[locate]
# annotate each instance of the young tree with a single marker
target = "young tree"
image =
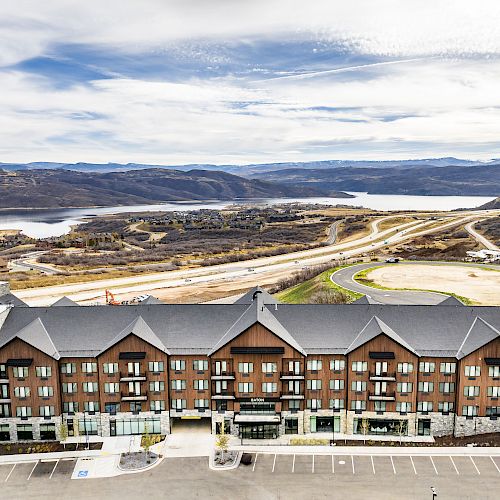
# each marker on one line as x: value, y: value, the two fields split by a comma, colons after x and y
x: 222, y: 441
x: 401, y: 429
x: 365, y: 426
x: 148, y: 440
x: 63, y: 434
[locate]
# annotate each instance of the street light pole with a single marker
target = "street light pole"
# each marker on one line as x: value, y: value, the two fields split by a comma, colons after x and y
x: 434, y: 493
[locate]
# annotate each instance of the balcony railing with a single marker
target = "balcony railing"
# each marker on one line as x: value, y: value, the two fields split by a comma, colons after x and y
x: 390, y: 376
x: 381, y: 396
x: 292, y: 375
x: 132, y: 396
x: 223, y: 376
x: 223, y: 395
x: 291, y: 395
x: 129, y: 377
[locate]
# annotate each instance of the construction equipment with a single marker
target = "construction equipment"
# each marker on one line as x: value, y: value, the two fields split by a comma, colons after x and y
x: 110, y: 299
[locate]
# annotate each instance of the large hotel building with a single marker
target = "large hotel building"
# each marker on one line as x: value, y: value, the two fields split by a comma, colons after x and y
x: 262, y: 367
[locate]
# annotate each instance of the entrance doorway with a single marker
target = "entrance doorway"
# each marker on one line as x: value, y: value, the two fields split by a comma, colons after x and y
x: 259, y: 431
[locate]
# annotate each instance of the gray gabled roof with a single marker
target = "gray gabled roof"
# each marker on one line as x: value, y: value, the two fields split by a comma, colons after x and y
x: 37, y: 336
x: 9, y: 299
x: 451, y: 301
x: 374, y: 328
x: 249, y: 296
x: 257, y: 313
x: 64, y: 302
x: 366, y: 299
x: 141, y: 329
x: 150, y: 300
x: 479, y: 334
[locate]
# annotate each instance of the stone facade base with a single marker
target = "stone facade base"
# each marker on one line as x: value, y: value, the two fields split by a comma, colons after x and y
x: 35, y: 423
x: 475, y: 425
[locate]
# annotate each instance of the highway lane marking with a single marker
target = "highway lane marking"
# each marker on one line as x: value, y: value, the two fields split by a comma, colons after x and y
x: 496, y: 466
x: 393, y: 468
x: 34, y: 467
x: 274, y: 462
x: 55, y: 465
x: 435, y: 470
x: 253, y: 468
x: 11, y: 470
x: 453, y: 462
x: 373, y: 464
x: 474, y: 463
x: 411, y: 458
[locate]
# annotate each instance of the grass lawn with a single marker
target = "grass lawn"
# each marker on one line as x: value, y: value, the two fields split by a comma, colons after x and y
x: 302, y: 293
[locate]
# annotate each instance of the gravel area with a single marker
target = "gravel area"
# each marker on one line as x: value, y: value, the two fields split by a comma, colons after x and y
x: 137, y: 460
x: 229, y: 458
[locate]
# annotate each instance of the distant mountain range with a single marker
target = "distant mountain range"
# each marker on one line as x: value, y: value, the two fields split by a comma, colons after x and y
x: 491, y: 205
x: 52, y: 188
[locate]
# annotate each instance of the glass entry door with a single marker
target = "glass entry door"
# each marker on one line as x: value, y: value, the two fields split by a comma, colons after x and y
x: 258, y: 431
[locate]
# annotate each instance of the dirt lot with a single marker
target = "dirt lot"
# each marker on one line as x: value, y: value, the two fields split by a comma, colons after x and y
x: 482, y: 286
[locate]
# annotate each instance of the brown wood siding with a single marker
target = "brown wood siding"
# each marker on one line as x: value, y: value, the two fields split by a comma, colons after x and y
x: 18, y: 349
x: 79, y: 378
x: 436, y: 378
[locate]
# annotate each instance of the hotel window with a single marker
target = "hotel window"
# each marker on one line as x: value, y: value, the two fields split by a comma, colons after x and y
x: 178, y: 365
x: 89, y: 367
x: 220, y: 367
x: 200, y: 385
x: 178, y: 385
x: 110, y: 368
x: 336, y: 404
x: 245, y: 367
x: 404, y: 387
x: 46, y: 411
x: 403, y: 406
x: 359, y: 366
x: 157, y: 405
x: 493, y: 411
x: 472, y: 371
x: 91, y: 406
x: 494, y: 392
x: 111, y: 387
x: 178, y: 404
x: 23, y: 411
x: 43, y: 371
x: 314, y: 404
x: 357, y: 404
x: 200, y: 364
x: 220, y: 386
x: 337, y: 385
x: 469, y: 410
x: 111, y: 407
x: 20, y: 371
x: 45, y: 392
x: 358, y: 386
x: 314, y: 384
x: 269, y: 367
x: 5, y: 410
x: 90, y: 387
x: 424, y: 406
x: 445, y: 406
x: 314, y: 365
x: 294, y: 367
x: 156, y: 366
x: 25, y: 432
x: 446, y: 387
x: 3, y: 371
x: 201, y: 403
x: 426, y: 387
x: 471, y: 391
x: 380, y: 405
x: 70, y: 407
x: 269, y: 387
x: 68, y: 368
x: 447, y: 367
x: 157, y: 385
x: 427, y: 367
x: 405, y: 367
x: 337, y: 365
x: 494, y: 371
x: 294, y: 404
x: 21, y: 392
x: 245, y: 387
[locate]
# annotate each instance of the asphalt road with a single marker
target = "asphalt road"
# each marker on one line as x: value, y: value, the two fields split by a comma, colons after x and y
x: 479, y: 237
x: 345, y: 278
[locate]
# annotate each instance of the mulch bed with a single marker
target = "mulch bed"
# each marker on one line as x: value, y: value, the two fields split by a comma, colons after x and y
x: 45, y: 447
x: 137, y: 460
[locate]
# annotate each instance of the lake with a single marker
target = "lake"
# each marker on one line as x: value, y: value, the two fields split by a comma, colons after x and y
x: 42, y: 223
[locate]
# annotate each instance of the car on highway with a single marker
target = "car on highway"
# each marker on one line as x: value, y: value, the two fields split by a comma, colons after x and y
x: 251, y: 269
x: 392, y: 260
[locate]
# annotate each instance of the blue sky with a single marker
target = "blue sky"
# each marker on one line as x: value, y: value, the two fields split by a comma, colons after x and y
x: 171, y: 82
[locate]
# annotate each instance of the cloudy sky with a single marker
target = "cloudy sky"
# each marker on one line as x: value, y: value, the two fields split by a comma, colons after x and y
x: 242, y: 81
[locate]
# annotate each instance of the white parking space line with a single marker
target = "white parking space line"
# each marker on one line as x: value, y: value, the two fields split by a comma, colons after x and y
x: 451, y: 458
x: 333, y: 464
x: 11, y: 470
x: 34, y: 467
x: 352, y: 460
x: 393, y: 468
x: 293, y: 463
x: 312, y: 470
x: 433, y: 464
x: 373, y: 464
x: 496, y: 466
x: 255, y: 461
x: 474, y: 463
x: 274, y: 462
x: 413, y: 464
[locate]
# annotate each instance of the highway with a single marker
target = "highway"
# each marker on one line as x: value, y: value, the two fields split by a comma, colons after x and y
x: 268, y: 269
x: 479, y: 237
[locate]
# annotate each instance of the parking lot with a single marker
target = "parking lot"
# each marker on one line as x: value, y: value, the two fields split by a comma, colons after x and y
x: 385, y: 465
x: 38, y: 470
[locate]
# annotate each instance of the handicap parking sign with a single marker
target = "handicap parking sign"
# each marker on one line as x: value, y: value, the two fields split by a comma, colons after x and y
x: 83, y: 473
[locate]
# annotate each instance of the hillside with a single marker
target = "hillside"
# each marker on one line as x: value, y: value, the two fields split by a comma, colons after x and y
x: 65, y: 188
x: 459, y: 180
x: 491, y: 205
